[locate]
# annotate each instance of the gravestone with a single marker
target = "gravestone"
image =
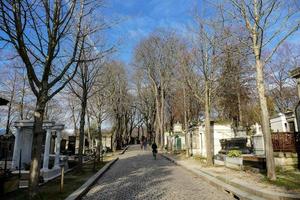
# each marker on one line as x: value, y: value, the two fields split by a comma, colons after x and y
x: 258, y: 141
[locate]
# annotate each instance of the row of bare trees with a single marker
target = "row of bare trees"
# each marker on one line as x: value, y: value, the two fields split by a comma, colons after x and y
x: 207, y: 74
x: 52, y: 39
x: 217, y: 66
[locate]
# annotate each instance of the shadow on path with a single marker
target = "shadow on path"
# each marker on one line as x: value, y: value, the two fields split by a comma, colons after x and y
x: 136, y: 175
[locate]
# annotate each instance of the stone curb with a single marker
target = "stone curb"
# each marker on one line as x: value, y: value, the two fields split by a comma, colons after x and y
x: 124, y: 150
x: 239, y: 190
x: 77, y: 194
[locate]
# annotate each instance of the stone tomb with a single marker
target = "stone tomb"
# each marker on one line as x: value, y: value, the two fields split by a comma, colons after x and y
x: 23, y: 147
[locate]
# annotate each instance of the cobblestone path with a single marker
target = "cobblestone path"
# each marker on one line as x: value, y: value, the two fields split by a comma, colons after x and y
x: 136, y: 175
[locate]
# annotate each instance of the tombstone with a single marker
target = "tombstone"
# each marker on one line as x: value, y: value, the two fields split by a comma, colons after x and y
x: 258, y: 141
x: 71, y: 145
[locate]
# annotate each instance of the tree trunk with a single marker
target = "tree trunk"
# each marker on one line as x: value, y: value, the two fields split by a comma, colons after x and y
x: 185, y: 122
x: 162, y: 113
x: 265, y: 120
x: 100, y: 140
x: 37, y: 144
x: 91, y: 142
x: 115, y: 135
x: 240, y: 116
x: 209, y: 145
x: 81, y: 129
x: 119, y: 133
x: 113, y: 140
x: 157, y: 123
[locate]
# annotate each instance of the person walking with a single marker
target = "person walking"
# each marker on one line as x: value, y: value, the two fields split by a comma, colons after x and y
x: 154, y: 150
x: 145, y: 144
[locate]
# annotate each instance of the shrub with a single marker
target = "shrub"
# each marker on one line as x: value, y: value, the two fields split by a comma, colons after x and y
x: 234, y: 153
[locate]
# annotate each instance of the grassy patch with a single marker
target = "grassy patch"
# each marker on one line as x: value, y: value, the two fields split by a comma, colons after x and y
x: 289, y: 180
x: 51, y: 190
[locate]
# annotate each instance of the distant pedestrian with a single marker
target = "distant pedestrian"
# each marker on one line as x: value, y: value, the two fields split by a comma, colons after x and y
x: 154, y: 150
x: 145, y: 144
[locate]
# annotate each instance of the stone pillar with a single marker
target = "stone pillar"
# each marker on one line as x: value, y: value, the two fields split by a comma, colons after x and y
x: 58, y: 128
x: 16, y: 154
x: 47, y: 149
x: 57, y: 147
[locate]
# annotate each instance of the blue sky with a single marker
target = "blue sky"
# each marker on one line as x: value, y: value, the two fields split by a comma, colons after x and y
x: 138, y: 18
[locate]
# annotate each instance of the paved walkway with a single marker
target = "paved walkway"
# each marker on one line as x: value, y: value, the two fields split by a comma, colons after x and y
x: 137, y: 176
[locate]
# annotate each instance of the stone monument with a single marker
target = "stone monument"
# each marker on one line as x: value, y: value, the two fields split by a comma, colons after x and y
x: 258, y: 141
x: 23, y: 142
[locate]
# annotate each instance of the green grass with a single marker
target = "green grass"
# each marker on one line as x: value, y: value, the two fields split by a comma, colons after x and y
x: 290, y: 180
x: 51, y: 190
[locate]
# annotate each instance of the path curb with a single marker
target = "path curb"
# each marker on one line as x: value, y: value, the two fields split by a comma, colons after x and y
x: 239, y: 191
x: 82, y: 190
x: 124, y: 150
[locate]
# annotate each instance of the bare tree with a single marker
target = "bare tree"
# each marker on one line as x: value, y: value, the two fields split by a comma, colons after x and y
x: 157, y: 56
x: 145, y: 103
x: 14, y: 87
x: 206, y: 49
x: 10, y: 87
x: 82, y: 87
x: 118, y: 90
x: 99, y: 105
x: 236, y: 80
x: 268, y: 23
x: 48, y: 37
x: 99, y: 111
x: 282, y: 89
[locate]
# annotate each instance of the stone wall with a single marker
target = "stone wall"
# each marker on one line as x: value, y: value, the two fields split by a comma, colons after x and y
x: 286, y: 161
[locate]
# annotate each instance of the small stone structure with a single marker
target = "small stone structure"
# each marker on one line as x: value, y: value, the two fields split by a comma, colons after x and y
x: 175, y: 141
x: 23, y: 142
x: 284, y: 122
x: 23, y: 146
x: 220, y: 131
